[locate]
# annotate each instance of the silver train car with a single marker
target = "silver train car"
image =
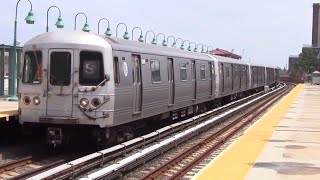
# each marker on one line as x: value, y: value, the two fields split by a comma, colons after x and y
x: 77, y: 83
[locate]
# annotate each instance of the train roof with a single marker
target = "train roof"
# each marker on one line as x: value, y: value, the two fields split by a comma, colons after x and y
x: 125, y: 45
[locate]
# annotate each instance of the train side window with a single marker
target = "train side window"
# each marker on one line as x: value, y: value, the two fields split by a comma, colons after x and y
x: 32, y: 67
x: 155, y: 71
x: 116, y: 70
x: 183, y: 71
x: 91, y: 68
x: 227, y: 72
x: 203, y: 72
x: 60, y: 68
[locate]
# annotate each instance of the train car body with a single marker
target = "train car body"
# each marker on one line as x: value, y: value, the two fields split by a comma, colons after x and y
x: 75, y: 82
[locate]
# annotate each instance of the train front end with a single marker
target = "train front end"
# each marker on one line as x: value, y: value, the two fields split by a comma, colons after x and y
x: 65, y: 86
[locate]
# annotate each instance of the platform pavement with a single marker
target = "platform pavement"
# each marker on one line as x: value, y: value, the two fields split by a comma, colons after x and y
x: 8, y: 108
x: 283, y: 144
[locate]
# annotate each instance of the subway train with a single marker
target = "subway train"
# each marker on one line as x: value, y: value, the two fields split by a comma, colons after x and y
x: 75, y: 84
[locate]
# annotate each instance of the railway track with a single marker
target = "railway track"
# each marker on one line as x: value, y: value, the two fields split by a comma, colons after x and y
x: 181, y: 164
x: 23, y: 168
x: 118, y: 160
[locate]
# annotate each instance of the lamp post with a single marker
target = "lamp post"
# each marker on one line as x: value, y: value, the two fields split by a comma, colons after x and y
x: 141, y: 36
x: 126, y: 35
x: 196, y: 49
x: 211, y: 49
x: 174, y: 41
x: 177, y: 41
x: 195, y: 46
x: 30, y: 20
x: 154, y: 37
x: 182, y: 45
x: 108, y: 31
x: 59, y: 22
x: 203, y: 51
x: 86, y: 27
x: 164, y: 43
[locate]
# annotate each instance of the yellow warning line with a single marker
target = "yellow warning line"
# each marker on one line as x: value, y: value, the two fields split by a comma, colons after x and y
x: 240, y: 156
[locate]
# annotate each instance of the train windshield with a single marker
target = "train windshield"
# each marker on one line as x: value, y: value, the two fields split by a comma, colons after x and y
x: 91, y: 68
x: 32, y: 67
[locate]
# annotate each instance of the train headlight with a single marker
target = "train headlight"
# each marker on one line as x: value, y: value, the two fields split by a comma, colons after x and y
x: 84, y: 102
x: 95, y: 102
x: 36, y: 100
x: 26, y: 100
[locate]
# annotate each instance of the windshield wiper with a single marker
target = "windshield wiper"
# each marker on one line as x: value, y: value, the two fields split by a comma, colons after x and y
x: 106, y: 78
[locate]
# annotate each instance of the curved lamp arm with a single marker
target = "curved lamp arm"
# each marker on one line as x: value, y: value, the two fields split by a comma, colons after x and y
x: 108, y: 32
x: 209, y: 47
x: 189, y: 48
x: 86, y: 26
x: 154, y: 37
x: 164, y: 43
x: 59, y: 23
x: 182, y: 45
x: 203, y: 48
x: 174, y: 41
x: 141, y: 36
x: 125, y: 36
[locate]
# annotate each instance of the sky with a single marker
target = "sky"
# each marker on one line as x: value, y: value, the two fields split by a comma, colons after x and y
x: 263, y: 31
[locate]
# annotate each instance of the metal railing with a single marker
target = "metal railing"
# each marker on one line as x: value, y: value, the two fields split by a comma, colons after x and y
x: 6, y: 53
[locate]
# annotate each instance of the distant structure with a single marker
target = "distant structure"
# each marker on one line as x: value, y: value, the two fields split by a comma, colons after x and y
x: 225, y: 53
x: 315, y: 25
x: 293, y: 60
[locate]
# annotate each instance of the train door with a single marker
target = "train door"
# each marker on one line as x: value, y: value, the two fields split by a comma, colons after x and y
x: 211, y: 78
x: 194, y: 79
x: 60, y: 83
x: 171, y: 81
x: 232, y: 76
x: 240, y: 76
x: 137, y: 84
x: 222, y: 77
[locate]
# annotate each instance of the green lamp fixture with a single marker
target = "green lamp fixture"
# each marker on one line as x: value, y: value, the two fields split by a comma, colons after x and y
x: 60, y: 23
x: 126, y: 35
x: 140, y: 38
x: 30, y: 18
x: 174, y: 44
x: 108, y: 32
x: 195, y: 49
x: 164, y: 43
x: 182, y: 46
x: 189, y: 48
x: 154, y: 41
x: 86, y: 28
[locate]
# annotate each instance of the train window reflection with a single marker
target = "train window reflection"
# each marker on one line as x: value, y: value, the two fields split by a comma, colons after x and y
x: 155, y: 71
x: 183, y: 71
x: 91, y: 68
x: 203, y: 72
x: 60, y: 68
x: 32, y: 67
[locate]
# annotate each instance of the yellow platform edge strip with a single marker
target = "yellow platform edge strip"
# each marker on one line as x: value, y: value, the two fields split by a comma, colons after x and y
x: 236, y: 161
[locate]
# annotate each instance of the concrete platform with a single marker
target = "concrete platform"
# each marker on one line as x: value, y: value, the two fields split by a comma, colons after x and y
x: 8, y: 108
x: 283, y: 144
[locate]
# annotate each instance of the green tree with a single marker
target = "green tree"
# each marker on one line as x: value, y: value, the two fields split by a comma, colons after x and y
x: 308, y: 61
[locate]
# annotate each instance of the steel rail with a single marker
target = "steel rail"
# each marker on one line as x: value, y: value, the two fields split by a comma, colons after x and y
x: 218, y: 139
x: 38, y: 170
x: 15, y: 164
